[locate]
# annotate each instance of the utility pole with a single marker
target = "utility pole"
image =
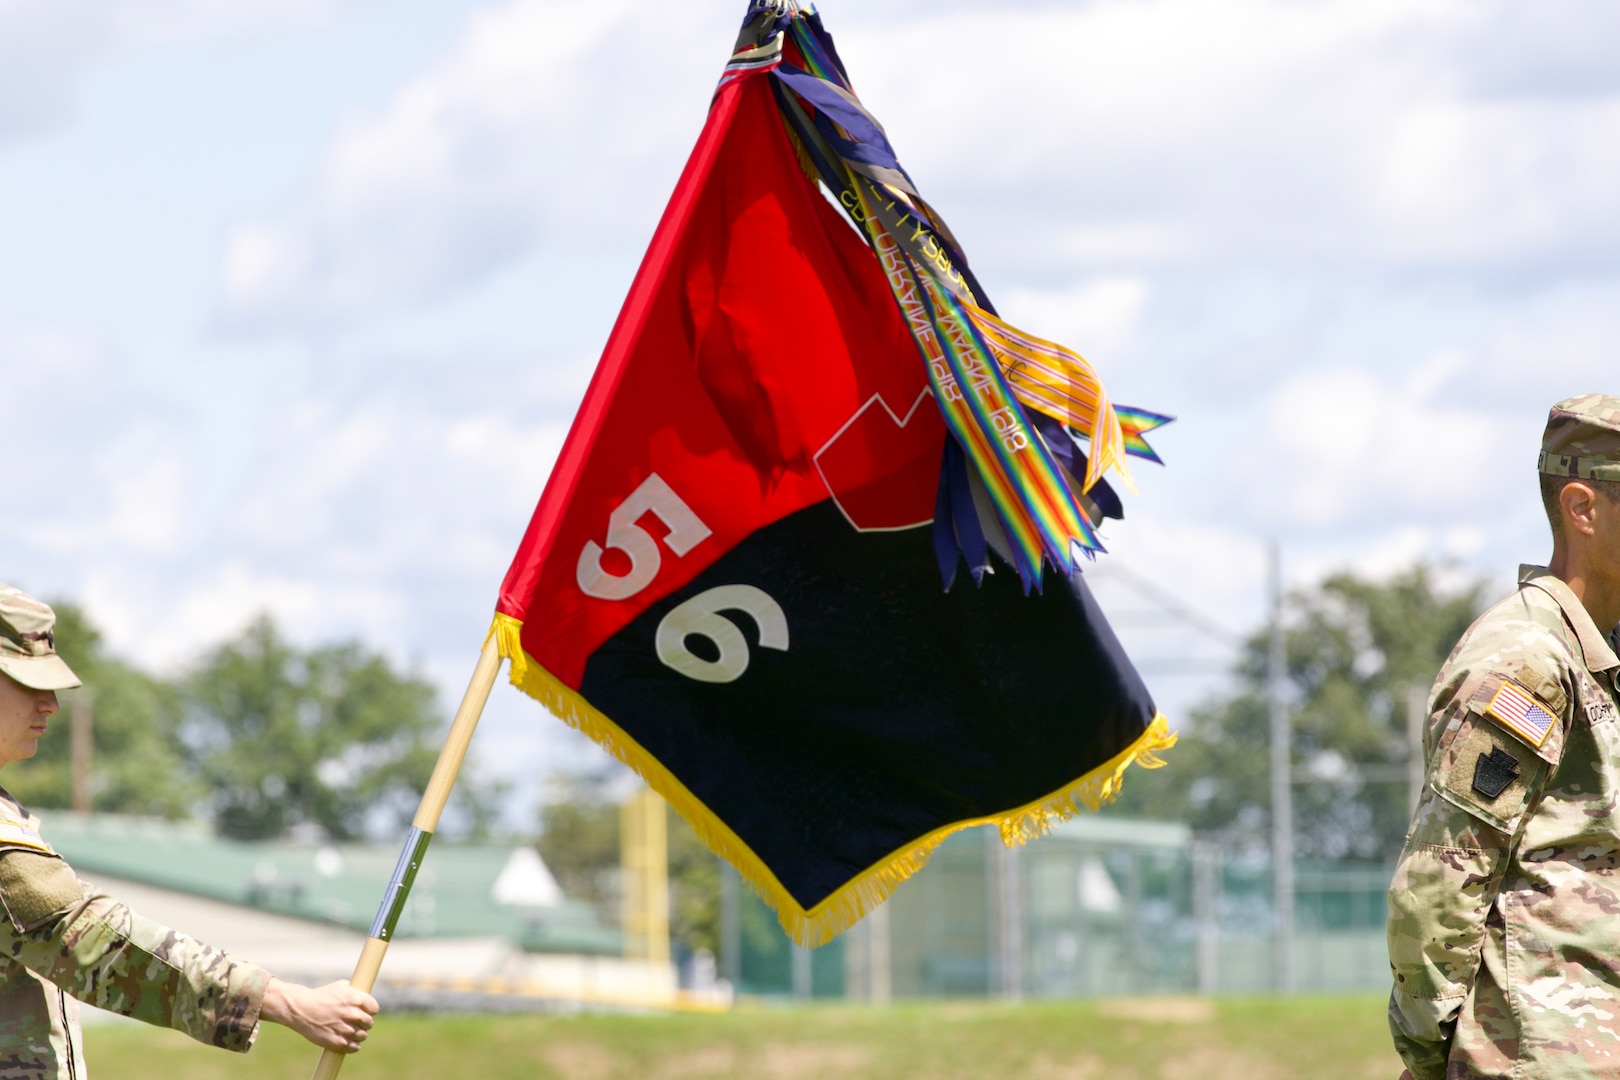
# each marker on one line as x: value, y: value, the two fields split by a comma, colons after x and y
x: 858, y: 962
x: 803, y: 973
x: 866, y: 958
x: 1282, y: 795
x: 730, y: 925
x: 1007, y: 908
x: 81, y: 724
x: 1206, y: 869
x: 1417, y: 709
x: 878, y: 970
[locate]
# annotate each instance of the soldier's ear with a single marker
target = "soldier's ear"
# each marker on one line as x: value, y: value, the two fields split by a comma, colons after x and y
x: 1579, y: 504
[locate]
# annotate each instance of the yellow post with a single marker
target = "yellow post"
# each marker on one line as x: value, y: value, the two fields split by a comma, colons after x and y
x: 644, y: 861
x: 427, y: 820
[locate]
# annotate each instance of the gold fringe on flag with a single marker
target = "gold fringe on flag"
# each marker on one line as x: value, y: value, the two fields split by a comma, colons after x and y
x: 846, y: 907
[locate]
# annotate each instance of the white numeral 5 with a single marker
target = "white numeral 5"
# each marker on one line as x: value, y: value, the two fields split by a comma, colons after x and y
x: 700, y: 616
x: 656, y: 497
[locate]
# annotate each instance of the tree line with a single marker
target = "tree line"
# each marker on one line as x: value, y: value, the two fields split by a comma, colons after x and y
x: 257, y: 736
x: 1354, y: 648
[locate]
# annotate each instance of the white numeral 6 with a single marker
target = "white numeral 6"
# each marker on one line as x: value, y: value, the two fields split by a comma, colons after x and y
x: 700, y: 616
x: 656, y: 497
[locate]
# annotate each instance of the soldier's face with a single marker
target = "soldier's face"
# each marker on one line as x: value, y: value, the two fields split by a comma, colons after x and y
x: 23, y: 716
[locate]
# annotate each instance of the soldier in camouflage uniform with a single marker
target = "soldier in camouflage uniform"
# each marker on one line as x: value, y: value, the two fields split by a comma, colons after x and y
x: 1504, y: 931
x: 61, y: 939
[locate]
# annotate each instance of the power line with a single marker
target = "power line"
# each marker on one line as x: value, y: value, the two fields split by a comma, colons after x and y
x: 1170, y: 604
x: 1179, y: 666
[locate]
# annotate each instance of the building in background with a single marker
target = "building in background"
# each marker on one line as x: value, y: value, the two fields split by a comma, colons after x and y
x: 486, y: 927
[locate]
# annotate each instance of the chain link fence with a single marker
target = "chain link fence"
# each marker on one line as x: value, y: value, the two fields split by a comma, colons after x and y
x: 1102, y: 907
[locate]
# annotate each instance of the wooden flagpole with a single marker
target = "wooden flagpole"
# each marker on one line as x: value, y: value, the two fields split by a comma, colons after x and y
x: 416, y: 843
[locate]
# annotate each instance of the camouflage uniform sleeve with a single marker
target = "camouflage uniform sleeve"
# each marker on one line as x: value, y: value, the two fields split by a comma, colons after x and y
x: 1449, y: 873
x: 102, y: 953
x: 1441, y: 894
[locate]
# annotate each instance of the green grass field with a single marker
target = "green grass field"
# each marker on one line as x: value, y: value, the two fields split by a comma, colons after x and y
x: 1162, y: 1039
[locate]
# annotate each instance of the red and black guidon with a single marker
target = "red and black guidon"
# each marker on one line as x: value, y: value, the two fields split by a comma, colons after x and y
x: 733, y: 578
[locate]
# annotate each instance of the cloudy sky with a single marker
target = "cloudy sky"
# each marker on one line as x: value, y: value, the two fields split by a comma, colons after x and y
x: 297, y: 297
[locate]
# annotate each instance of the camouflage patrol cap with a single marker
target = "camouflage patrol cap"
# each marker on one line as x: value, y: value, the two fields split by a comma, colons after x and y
x: 1582, y: 440
x: 28, y: 643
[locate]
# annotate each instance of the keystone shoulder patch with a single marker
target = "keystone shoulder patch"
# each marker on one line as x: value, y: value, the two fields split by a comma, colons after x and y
x: 1487, y: 772
x: 1493, y: 772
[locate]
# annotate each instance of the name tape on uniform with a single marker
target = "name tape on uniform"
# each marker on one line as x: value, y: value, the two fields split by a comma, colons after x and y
x: 1521, y: 714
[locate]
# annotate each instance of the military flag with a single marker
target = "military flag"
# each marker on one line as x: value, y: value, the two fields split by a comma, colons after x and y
x: 745, y: 577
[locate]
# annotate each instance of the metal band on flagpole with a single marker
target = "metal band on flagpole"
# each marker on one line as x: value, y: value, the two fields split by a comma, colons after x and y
x: 421, y: 834
x: 399, y: 885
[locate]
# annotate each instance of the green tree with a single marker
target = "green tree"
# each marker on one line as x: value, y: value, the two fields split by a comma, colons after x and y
x: 139, y: 763
x: 579, y: 838
x: 1353, y: 649
x: 331, y: 737
x: 579, y: 841
x: 694, y: 888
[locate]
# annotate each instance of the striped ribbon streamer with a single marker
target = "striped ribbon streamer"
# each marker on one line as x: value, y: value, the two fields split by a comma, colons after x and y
x: 1060, y: 383
x: 749, y: 57
x: 1027, y: 486
x: 1135, y: 423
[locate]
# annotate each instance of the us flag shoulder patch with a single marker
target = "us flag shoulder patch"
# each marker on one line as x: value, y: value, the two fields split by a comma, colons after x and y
x: 1521, y: 713
x: 13, y: 835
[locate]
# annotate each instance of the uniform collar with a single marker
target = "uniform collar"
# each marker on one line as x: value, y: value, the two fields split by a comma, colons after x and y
x: 1595, y: 648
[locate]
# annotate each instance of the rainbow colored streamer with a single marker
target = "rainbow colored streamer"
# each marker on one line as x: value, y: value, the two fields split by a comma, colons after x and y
x: 1030, y: 494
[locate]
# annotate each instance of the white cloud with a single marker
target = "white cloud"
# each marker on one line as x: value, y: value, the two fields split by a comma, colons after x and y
x: 1158, y: 133
x: 1550, y: 49
x: 396, y: 486
x: 1396, y: 549
x: 48, y: 48
x: 165, y: 627
x: 548, y: 120
x: 147, y: 508
x: 105, y: 463
x: 336, y: 512
x: 1097, y: 317
x: 32, y: 356
x: 1184, y: 131
x: 1350, y: 443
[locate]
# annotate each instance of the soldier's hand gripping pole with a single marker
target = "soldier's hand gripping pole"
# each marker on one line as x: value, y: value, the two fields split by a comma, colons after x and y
x: 416, y: 843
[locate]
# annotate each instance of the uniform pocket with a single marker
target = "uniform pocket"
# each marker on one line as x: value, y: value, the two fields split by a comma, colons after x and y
x: 36, y: 888
x: 1488, y: 773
